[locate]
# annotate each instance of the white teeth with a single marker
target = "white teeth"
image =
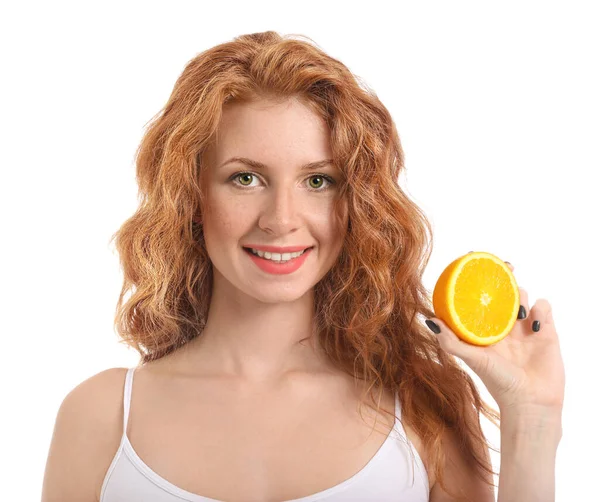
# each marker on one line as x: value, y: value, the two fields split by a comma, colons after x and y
x: 276, y: 256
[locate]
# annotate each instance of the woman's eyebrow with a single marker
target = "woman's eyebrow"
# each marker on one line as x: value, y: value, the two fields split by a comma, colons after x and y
x: 260, y: 166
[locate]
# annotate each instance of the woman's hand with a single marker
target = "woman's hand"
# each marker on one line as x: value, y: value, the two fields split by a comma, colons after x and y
x: 524, y: 370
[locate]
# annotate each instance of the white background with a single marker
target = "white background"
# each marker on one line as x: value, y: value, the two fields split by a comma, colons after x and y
x: 496, y: 103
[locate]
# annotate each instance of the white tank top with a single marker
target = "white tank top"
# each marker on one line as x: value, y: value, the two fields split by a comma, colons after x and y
x: 389, y: 476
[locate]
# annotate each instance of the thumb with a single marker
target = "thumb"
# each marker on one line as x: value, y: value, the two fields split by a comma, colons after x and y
x: 452, y: 344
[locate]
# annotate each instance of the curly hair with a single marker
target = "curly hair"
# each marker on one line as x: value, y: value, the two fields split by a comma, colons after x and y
x: 367, y: 306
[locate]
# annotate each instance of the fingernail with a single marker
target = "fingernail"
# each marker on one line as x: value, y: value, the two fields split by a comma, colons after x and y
x: 433, y: 326
x: 536, y: 326
x: 508, y: 262
x: 522, y: 313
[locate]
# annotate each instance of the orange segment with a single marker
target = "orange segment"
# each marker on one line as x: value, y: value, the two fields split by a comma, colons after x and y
x: 477, y: 296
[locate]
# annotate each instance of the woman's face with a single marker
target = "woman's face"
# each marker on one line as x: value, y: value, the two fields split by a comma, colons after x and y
x: 279, y: 205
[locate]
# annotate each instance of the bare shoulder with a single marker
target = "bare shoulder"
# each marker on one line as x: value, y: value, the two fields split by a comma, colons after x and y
x: 86, y: 436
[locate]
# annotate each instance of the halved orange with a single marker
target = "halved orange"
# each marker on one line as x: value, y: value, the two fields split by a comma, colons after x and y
x: 477, y: 296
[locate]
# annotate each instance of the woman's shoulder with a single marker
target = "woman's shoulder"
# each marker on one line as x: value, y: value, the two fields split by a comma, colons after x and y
x: 99, y: 396
x: 87, y: 434
x: 96, y: 402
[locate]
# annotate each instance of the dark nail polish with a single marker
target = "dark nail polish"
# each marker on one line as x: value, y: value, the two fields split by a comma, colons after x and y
x: 522, y: 313
x: 536, y: 326
x: 433, y: 326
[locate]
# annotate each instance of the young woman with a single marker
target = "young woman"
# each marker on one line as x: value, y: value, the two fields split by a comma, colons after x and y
x: 275, y: 273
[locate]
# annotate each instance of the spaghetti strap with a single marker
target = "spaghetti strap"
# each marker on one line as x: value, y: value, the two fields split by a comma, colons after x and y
x: 127, y: 398
x: 414, y: 453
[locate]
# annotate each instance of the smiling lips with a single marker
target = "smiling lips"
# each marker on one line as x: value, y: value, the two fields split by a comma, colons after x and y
x: 285, y: 267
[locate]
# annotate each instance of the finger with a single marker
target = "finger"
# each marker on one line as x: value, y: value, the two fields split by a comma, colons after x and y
x: 523, y: 298
x: 523, y: 305
x: 452, y: 344
x: 540, y: 315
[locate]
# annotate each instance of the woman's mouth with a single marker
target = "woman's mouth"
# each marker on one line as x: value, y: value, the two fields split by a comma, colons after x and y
x: 279, y: 267
x: 279, y: 257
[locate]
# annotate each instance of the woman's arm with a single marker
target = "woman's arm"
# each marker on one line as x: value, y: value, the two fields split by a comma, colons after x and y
x: 529, y: 440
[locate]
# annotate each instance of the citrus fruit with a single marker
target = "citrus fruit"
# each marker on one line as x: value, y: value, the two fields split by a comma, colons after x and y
x: 477, y: 296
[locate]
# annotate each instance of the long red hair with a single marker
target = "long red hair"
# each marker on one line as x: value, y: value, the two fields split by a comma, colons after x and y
x: 370, y: 306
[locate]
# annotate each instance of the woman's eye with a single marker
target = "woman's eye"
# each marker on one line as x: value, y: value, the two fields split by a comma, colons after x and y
x: 317, y: 177
x: 245, y: 179
x: 242, y: 175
